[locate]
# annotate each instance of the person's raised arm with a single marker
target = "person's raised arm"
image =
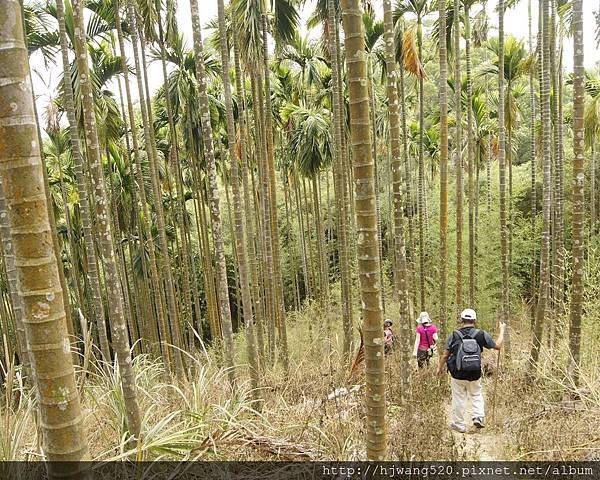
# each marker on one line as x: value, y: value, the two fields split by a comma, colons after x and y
x: 500, y: 340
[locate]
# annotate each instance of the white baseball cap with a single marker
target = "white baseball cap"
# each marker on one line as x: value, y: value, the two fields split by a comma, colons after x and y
x: 468, y: 315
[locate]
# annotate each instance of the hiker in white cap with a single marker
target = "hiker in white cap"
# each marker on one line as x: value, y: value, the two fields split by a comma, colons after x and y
x: 425, y: 341
x: 462, y: 357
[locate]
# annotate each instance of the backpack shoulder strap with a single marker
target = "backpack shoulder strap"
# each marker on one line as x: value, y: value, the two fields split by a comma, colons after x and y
x: 479, y: 335
x: 460, y: 334
x: 427, y: 337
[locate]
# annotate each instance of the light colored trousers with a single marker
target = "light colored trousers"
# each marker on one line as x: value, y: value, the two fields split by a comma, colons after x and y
x: 462, y: 391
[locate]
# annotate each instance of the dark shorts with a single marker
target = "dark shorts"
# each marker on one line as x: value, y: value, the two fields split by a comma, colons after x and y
x: 423, y: 358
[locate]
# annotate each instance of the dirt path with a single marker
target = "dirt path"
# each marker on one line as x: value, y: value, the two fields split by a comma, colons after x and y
x: 482, y: 445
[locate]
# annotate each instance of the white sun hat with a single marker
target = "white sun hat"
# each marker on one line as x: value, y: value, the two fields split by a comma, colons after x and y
x: 424, y: 318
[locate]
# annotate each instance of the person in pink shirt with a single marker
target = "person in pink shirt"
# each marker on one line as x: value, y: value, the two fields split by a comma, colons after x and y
x: 388, y: 335
x: 425, y: 341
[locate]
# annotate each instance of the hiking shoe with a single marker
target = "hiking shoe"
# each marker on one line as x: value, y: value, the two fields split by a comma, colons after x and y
x: 458, y: 428
x: 478, y: 422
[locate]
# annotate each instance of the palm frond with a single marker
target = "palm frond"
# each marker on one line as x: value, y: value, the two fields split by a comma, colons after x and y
x: 285, y: 21
x: 410, y: 54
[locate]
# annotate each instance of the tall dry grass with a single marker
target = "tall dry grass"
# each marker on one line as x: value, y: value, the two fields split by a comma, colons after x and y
x: 313, y: 412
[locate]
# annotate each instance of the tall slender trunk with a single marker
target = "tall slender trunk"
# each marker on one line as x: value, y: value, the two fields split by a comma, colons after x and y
x: 339, y: 180
x: 84, y: 203
x: 249, y: 214
x: 407, y: 190
x: 400, y: 268
x: 488, y: 174
x: 239, y: 212
x: 458, y: 164
x: 471, y: 165
x: 70, y: 239
x: 557, y: 269
x: 303, y: 247
x: 208, y: 276
x: 502, y: 167
x: 148, y: 126
x: 174, y: 152
x: 544, y: 289
x: 533, y: 115
x: 559, y: 194
x: 21, y: 175
x: 215, y: 211
x: 443, y: 80
x: 265, y: 206
x: 367, y: 244
x: 278, y: 276
x: 375, y: 162
x: 323, y: 275
x: 116, y: 311
x: 421, y: 178
x: 578, y: 190
x: 145, y: 221
x: 509, y: 201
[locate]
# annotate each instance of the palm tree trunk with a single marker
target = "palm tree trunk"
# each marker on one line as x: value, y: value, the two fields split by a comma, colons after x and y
x: 367, y: 244
x: 544, y: 289
x: 278, y: 277
x: 502, y: 168
x: 407, y: 190
x: 84, y: 204
x: 265, y: 205
x: 421, y: 179
x: 578, y: 190
x: 259, y: 273
x: 323, y: 275
x: 249, y: 213
x: 148, y: 125
x: 488, y: 174
x: 533, y: 114
x: 208, y: 276
x: 70, y: 239
x: 400, y: 268
x: 346, y: 170
x: 21, y: 176
x: 557, y: 286
x: 239, y: 212
x: 471, y: 166
x: 458, y: 156
x: 375, y: 161
x: 560, y: 187
x: 116, y: 312
x: 185, y: 250
x: 443, y: 57
x: 146, y: 229
x: 209, y: 154
x: 303, y: 247
x: 339, y: 181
